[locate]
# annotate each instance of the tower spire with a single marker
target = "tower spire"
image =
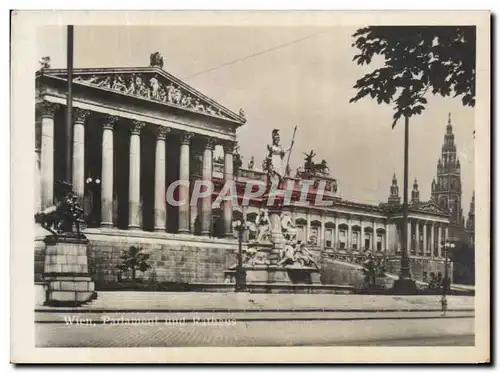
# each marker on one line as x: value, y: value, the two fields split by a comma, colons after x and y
x: 394, y: 191
x: 415, y: 194
x: 447, y: 189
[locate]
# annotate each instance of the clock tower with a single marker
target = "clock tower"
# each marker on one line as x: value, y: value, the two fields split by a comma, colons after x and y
x: 446, y: 188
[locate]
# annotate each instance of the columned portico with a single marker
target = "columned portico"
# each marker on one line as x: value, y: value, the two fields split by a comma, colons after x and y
x: 228, y: 178
x: 134, y: 194
x: 184, y: 202
x: 107, y: 171
x: 160, y: 207
x: 47, y: 154
x: 206, y: 203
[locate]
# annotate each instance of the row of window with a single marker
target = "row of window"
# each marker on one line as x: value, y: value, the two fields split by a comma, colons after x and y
x: 356, y: 242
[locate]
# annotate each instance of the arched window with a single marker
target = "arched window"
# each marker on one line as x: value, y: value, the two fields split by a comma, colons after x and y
x: 329, y: 237
x: 343, y: 236
x: 301, y: 229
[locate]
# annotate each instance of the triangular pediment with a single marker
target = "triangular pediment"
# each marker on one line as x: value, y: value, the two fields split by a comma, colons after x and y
x: 152, y: 83
x: 429, y: 207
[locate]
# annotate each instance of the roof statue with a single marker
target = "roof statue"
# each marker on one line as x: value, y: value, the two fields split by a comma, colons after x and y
x: 45, y: 63
x: 156, y: 59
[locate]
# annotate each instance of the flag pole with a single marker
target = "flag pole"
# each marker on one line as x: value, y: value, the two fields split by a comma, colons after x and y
x: 69, y: 105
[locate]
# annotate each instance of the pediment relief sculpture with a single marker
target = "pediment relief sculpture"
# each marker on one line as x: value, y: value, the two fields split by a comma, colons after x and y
x: 151, y: 86
x: 430, y: 207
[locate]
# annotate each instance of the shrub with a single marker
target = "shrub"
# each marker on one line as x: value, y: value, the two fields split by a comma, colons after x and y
x: 134, y: 259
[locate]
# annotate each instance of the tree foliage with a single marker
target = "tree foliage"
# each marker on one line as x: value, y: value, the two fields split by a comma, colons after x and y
x: 134, y: 259
x: 441, y: 59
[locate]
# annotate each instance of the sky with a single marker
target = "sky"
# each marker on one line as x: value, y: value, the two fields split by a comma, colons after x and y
x: 285, y: 77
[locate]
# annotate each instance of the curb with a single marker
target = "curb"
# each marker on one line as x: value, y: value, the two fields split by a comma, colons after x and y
x: 226, y: 319
x: 226, y: 310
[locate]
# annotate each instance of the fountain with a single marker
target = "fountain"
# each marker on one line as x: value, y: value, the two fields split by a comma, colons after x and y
x: 275, y: 261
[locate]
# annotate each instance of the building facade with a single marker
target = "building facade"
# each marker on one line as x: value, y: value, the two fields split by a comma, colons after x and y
x: 138, y: 131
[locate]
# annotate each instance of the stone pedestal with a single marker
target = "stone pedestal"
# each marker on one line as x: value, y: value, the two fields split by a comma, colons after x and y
x: 270, y: 274
x: 66, y: 271
x: 405, y: 286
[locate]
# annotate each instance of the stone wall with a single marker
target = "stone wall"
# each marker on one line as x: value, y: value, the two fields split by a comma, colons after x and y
x: 176, y: 260
x: 338, y: 273
x: 335, y: 272
x: 420, y: 267
x: 173, y: 259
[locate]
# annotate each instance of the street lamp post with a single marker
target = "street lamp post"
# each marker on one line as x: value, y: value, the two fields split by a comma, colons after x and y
x: 447, y: 245
x: 240, y: 226
x: 405, y: 284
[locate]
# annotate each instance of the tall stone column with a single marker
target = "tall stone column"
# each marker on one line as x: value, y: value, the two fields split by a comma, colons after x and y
x: 134, y: 181
x: 408, y: 239
x: 160, y: 212
x: 417, y: 237
x: 374, y: 237
x: 47, y: 154
x: 336, y: 233
x: 184, y: 177
x: 432, y: 239
x: 227, y: 206
x: 206, y: 202
x: 78, y: 169
x: 107, y: 171
x: 440, y: 238
x: 349, y: 234
x: 425, y: 243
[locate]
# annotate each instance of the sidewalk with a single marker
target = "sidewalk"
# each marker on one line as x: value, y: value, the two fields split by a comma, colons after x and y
x: 245, y: 302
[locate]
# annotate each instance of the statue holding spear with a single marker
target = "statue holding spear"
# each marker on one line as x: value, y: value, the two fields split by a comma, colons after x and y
x: 274, y: 160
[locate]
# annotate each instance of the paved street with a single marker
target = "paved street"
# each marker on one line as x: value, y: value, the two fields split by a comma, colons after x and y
x: 227, y: 331
x: 141, y: 301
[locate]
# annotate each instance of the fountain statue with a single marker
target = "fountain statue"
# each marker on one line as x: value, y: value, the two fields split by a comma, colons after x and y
x: 275, y: 256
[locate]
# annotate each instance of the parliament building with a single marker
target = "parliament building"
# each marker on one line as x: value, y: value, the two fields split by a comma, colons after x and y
x: 136, y: 131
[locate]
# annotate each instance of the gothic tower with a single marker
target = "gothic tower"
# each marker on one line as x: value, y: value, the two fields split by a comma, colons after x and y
x: 446, y: 188
x: 394, y: 192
